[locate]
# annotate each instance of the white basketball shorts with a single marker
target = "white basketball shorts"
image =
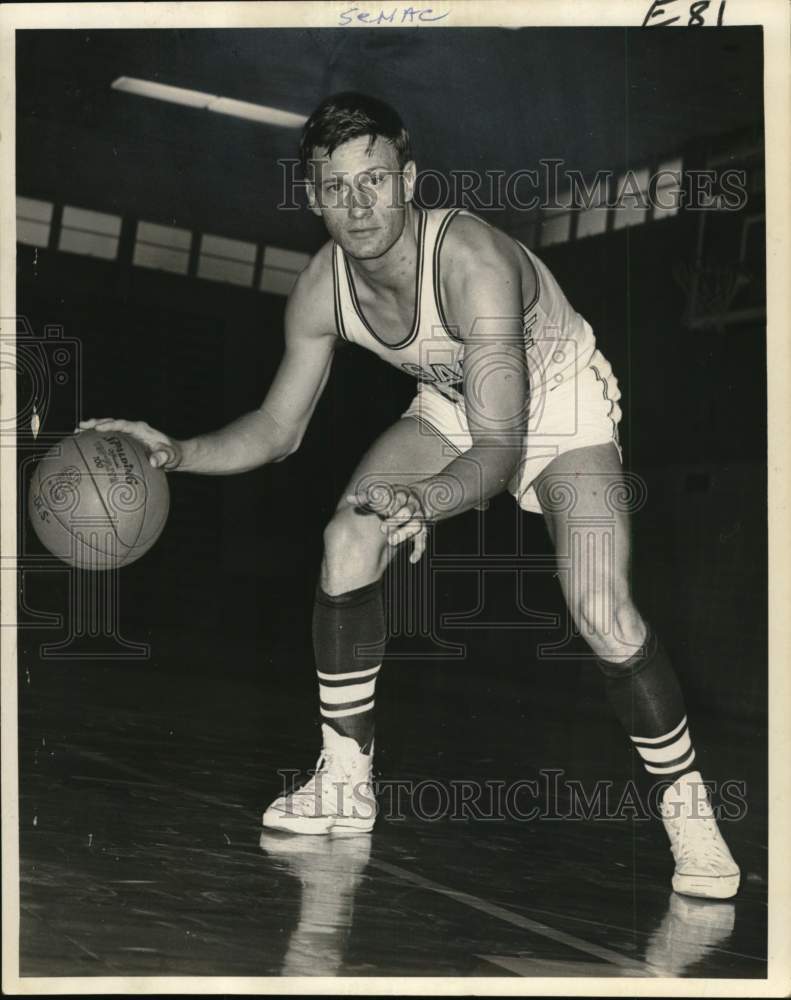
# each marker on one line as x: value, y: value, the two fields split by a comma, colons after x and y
x: 568, y: 410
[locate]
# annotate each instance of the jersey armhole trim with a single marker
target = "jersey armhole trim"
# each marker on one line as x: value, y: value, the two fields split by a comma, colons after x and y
x: 443, y: 228
x: 336, y: 294
x: 536, y: 275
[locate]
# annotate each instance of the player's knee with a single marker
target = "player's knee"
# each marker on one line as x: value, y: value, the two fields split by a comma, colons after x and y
x: 611, y: 624
x: 353, y: 553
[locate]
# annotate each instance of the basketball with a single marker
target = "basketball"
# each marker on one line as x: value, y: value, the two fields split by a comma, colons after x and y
x: 96, y: 502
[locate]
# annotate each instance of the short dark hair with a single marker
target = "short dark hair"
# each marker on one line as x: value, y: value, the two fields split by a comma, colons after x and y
x: 350, y: 115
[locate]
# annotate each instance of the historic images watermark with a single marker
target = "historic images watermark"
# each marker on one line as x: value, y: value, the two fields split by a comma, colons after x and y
x: 549, y: 796
x: 548, y: 187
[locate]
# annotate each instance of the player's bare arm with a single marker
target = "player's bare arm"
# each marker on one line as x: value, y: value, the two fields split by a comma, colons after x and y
x: 275, y: 429
x: 484, y: 293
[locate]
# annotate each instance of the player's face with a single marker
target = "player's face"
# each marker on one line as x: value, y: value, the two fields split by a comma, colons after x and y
x: 361, y: 194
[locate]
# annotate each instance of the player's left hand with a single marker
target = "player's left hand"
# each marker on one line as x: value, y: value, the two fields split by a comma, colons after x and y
x: 401, y: 512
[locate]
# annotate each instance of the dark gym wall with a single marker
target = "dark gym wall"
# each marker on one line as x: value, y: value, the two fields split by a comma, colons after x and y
x: 189, y: 356
x: 240, y: 554
x: 695, y: 429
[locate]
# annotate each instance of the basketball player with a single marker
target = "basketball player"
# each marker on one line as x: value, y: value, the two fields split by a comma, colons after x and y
x: 513, y: 393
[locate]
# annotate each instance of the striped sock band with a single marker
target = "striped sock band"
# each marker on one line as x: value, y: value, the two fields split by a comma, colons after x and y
x: 647, y: 698
x: 668, y: 755
x: 342, y: 695
x: 349, y: 633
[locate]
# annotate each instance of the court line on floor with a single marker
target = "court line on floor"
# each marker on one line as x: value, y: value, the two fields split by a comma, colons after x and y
x: 149, y: 779
x: 515, y: 919
x: 465, y: 898
x: 527, y: 967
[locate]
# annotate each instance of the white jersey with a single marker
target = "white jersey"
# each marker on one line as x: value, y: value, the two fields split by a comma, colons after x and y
x: 558, y: 342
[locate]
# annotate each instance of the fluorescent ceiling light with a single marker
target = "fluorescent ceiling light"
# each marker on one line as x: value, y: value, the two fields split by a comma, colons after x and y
x: 209, y: 102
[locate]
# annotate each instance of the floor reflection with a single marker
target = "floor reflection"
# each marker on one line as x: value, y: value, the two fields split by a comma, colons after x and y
x: 689, y: 931
x: 329, y: 870
x: 139, y: 848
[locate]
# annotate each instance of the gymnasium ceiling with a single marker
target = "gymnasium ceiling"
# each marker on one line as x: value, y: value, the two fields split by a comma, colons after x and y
x: 473, y: 99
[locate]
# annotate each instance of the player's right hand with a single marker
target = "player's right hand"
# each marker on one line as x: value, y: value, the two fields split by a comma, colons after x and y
x: 163, y: 452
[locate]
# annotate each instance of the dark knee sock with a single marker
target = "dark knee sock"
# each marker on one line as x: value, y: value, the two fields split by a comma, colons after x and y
x: 645, y: 693
x: 349, y: 634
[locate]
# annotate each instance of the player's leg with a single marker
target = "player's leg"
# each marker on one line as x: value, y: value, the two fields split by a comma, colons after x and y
x: 349, y: 634
x: 582, y: 495
x: 349, y: 620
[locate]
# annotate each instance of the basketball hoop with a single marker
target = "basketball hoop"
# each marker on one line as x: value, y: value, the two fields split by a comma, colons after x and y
x: 710, y: 290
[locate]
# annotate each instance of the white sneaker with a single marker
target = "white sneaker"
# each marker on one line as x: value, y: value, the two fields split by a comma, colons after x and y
x: 339, y: 798
x: 704, y: 865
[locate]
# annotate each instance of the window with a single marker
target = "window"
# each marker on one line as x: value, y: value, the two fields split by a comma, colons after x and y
x: 94, y: 234
x: 668, y: 189
x: 33, y: 221
x: 592, y: 221
x: 222, y: 259
x: 281, y: 268
x: 556, y: 229
x: 631, y: 200
x: 556, y: 224
x: 165, y: 248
